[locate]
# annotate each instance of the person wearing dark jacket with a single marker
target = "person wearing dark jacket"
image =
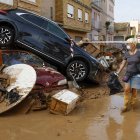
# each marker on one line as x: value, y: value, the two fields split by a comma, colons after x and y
x: 131, y: 58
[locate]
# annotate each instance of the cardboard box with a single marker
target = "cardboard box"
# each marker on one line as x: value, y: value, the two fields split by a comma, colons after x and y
x: 64, y: 102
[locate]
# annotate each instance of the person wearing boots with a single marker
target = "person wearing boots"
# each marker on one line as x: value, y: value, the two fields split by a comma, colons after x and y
x: 131, y: 58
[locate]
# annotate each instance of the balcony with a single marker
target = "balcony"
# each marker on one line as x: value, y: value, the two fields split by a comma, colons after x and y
x: 96, y: 25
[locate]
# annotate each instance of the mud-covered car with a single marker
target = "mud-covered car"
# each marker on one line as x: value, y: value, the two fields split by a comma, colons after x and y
x: 47, y: 77
x: 46, y: 39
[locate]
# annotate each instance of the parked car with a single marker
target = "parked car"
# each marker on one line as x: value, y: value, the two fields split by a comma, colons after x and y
x: 47, y: 77
x: 46, y: 39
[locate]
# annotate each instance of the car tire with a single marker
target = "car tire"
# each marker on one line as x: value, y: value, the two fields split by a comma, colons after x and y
x: 6, y: 36
x: 77, y: 70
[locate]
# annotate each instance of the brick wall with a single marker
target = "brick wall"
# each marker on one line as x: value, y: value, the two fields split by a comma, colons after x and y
x: 48, y: 9
x: 4, y: 6
x: 74, y: 34
x: 73, y: 23
x: 59, y: 11
x: 25, y: 4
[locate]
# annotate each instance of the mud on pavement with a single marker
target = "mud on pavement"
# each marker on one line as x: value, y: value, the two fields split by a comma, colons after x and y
x: 96, y: 117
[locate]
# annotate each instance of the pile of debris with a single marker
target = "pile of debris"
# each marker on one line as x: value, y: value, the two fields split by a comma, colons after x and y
x: 17, y: 82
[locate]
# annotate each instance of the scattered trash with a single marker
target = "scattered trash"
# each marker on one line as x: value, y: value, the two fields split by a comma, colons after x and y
x: 114, y: 84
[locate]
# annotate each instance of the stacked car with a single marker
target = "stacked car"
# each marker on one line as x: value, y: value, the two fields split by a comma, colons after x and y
x: 46, y: 39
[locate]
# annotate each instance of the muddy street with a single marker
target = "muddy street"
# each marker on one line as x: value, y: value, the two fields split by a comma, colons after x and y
x: 95, y: 118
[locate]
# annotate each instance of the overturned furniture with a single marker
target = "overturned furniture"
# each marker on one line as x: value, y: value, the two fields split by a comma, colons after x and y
x: 63, y: 102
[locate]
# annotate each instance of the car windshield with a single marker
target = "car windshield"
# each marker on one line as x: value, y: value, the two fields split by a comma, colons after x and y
x: 22, y: 57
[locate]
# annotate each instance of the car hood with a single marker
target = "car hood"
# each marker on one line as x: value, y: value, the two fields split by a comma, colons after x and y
x: 49, y: 77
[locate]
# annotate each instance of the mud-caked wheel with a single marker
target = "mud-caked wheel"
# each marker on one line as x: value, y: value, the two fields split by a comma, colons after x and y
x: 77, y: 70
x: 6, y: 36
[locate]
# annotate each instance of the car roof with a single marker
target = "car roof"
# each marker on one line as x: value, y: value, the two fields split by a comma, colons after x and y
x: 30, y: 12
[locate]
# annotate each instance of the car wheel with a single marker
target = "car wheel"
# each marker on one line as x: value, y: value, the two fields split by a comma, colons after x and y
x: 6, y: 36
x: 77, y: 70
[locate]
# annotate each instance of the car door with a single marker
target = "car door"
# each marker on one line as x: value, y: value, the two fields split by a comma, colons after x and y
x: 54, y: 43
x: 31, y: 29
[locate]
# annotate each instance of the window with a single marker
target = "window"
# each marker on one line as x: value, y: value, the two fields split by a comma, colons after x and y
x: 70, y: 11
x: 54, y: 29
x: 79, y: 15
x: 86, y: 18
x: 34, y: 19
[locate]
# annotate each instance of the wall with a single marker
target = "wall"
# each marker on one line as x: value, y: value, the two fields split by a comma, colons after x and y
x: 8, y: 4
x: 31, y: 6
x: 48, y: 9
x: 74, y: 34
x: 136, y: 25
x: 74, y: 23
x: 59, y: 11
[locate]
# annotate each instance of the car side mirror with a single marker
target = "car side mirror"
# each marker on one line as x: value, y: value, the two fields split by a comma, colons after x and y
x: 68, y: 40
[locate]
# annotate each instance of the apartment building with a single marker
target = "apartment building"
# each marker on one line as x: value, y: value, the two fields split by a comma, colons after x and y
x: 121, y: 31
x: 110, y: 19
x: 8, y: 4
x: 74, y: 16
x: 47, y: 9
x: 102, y: 19
x: 31, y: 5
x: 107, y: 19
x: 135, y: 23
x: 96, y: 24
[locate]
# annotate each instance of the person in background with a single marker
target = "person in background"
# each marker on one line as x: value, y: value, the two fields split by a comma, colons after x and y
x: 131, y: 58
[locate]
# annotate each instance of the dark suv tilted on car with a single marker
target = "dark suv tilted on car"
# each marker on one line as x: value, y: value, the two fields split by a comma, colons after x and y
x: 46, y: 39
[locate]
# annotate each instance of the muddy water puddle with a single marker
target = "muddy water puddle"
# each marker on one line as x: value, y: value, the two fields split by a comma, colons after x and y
x: 92, y: 119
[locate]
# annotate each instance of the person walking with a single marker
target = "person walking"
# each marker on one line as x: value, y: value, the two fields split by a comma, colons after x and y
x: 131, y: 58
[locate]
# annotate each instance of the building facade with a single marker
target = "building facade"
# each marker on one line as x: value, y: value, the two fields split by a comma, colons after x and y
x: 96, y: 24
x: 74, y: 16
x: 102, y: 19
x: 107, y: 19
x: 47, y: 9
x: 121, y: 31
x: 110, y: 19
x: 136, y: 25
x: 31, y: 5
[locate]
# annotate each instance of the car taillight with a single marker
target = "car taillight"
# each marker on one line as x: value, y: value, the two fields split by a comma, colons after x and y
x: 3, y: 12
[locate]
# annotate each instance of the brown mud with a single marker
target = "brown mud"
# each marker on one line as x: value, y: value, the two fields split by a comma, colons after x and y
x: 92, y: 119
x: 96, y: 117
